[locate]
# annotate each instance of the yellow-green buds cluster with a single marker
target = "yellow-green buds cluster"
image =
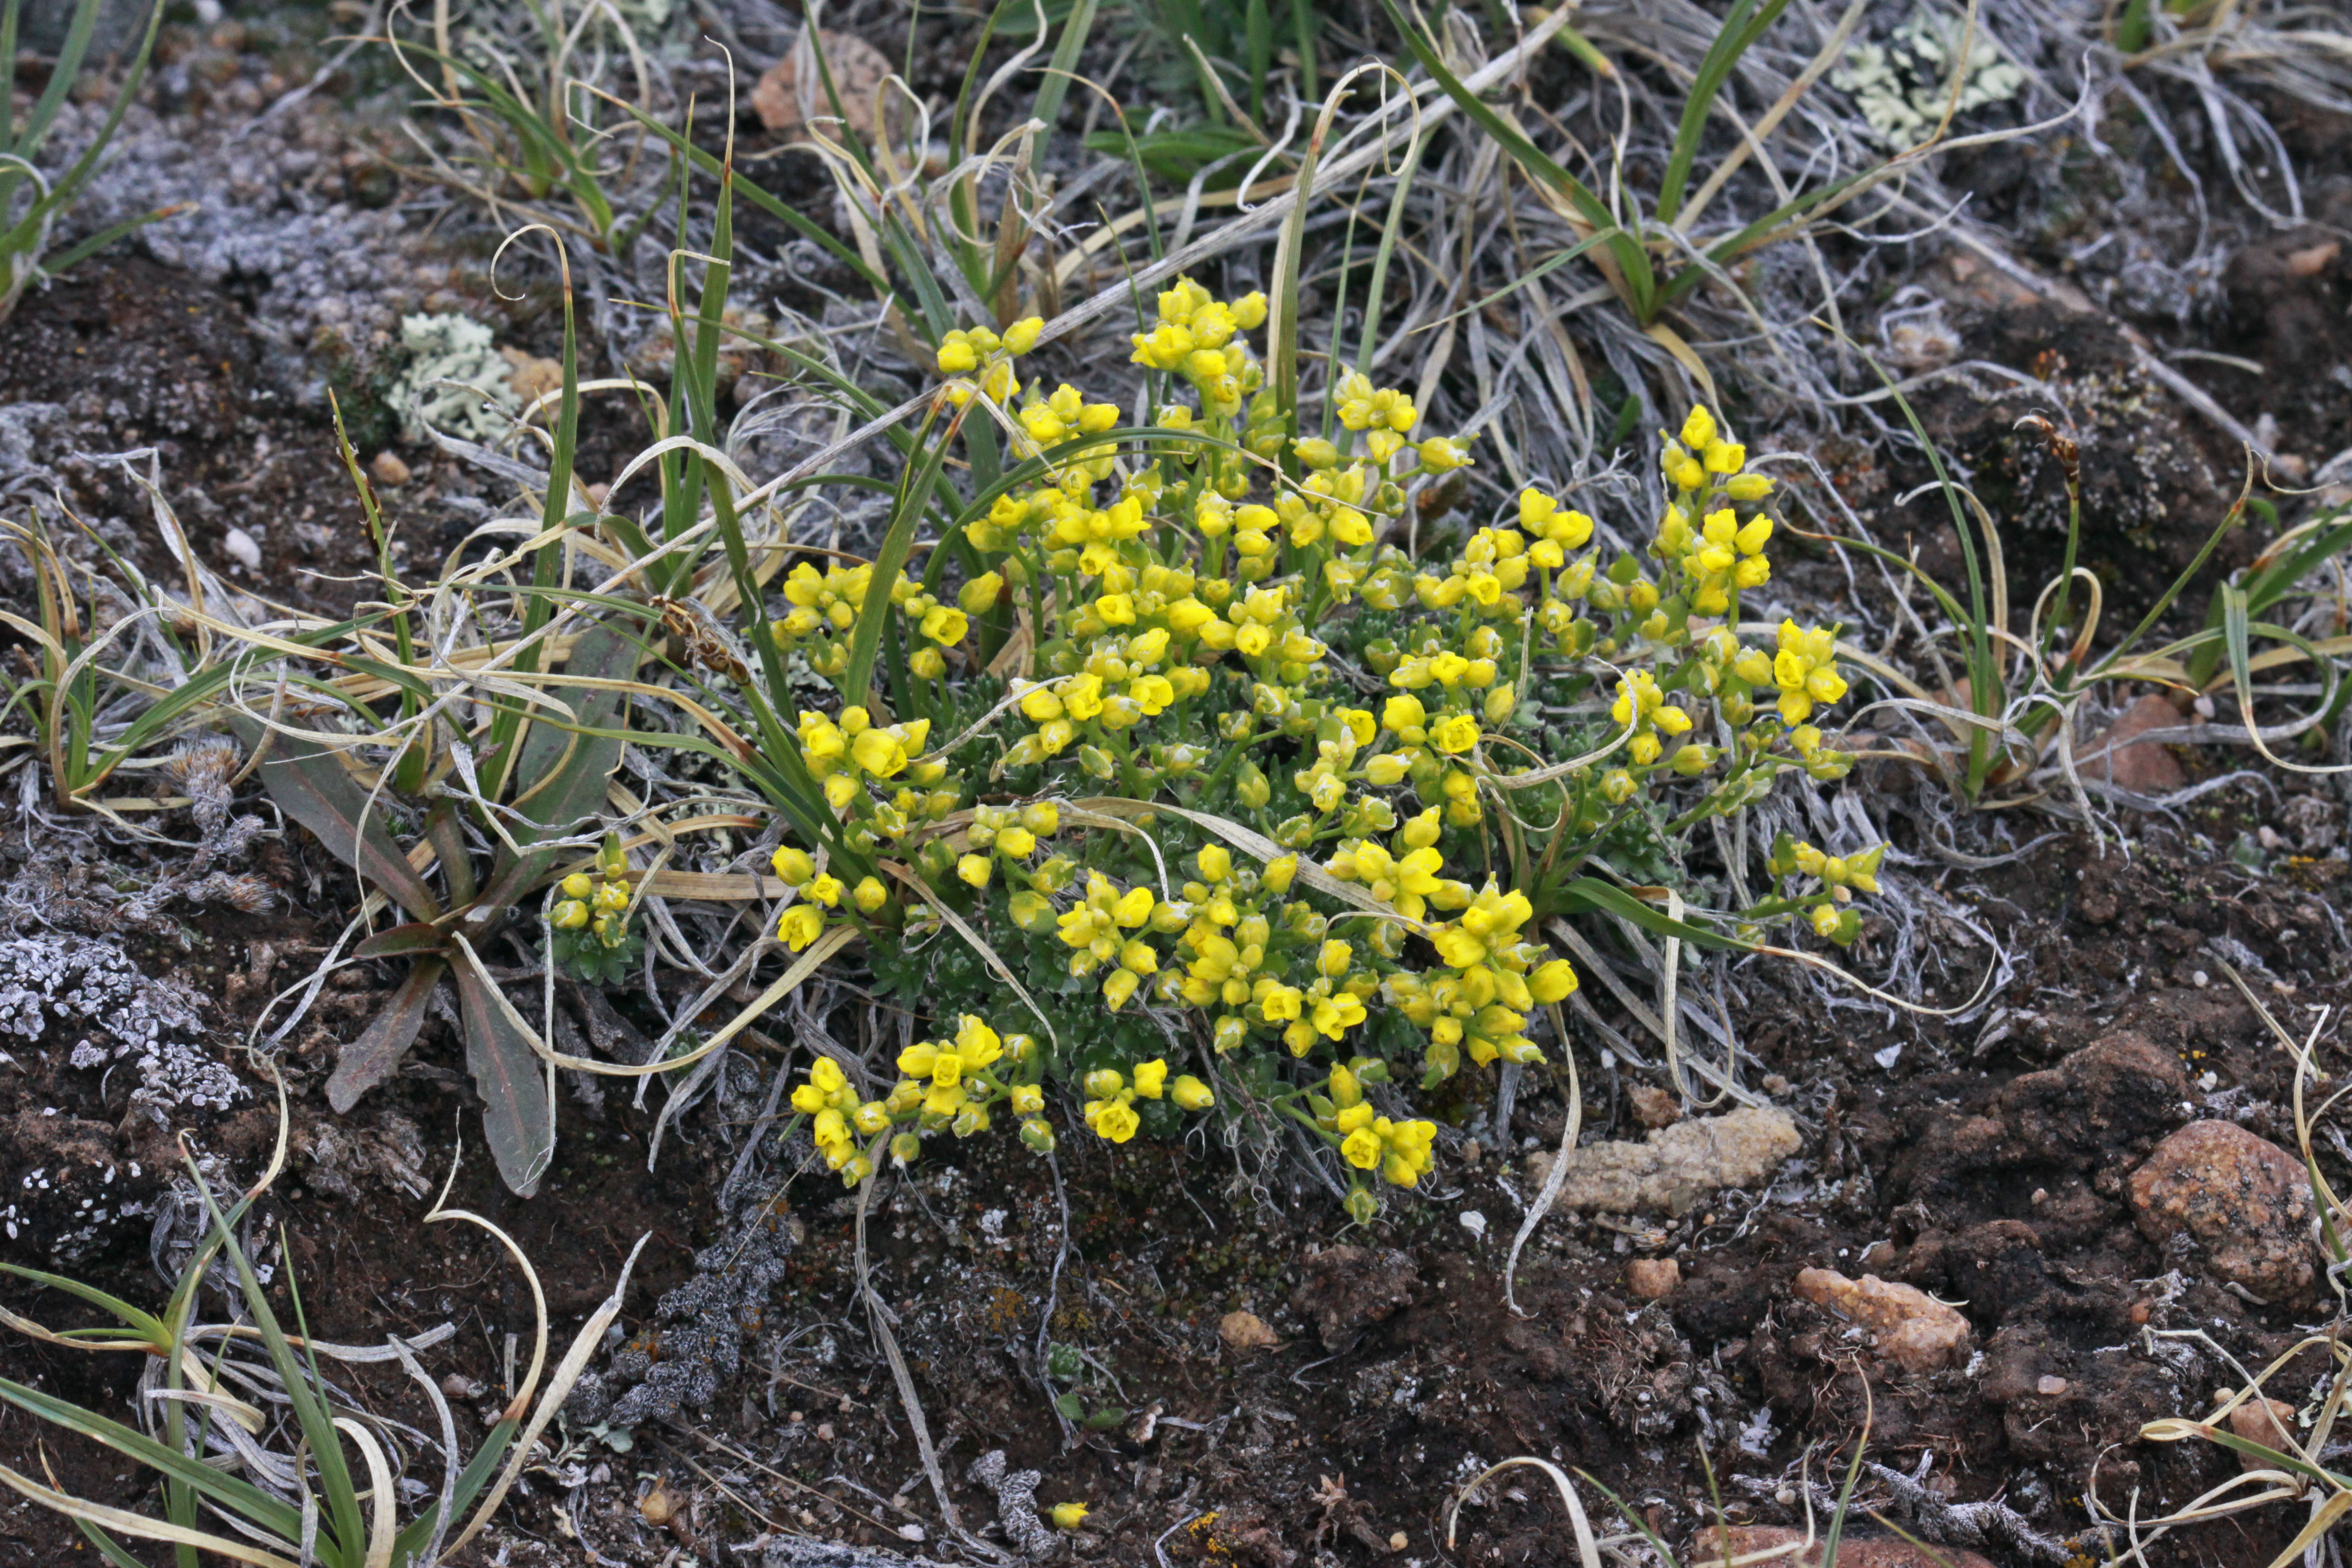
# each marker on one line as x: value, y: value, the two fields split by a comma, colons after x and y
x: 1108, y: 928
x: 981, y: 362
x: 598, y: 903
x: 1198, y: 337
x: 1110, y: 1097
x: 844, y: 754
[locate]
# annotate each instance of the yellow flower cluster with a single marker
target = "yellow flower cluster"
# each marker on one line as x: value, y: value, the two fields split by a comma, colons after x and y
x: 1173, y: 603
x: 1398, y: 1151
x: 1498, y: 978
x: 1110, y: 1097
x: 844, y: 754
x: 826, y: 607
x: 953, y: 1085
x: 1108, y: 927
x: 599, y: 903
x: 981, y: 362
x: 838, y: 1117
x: 1198, y: 336
x: 820, y: 890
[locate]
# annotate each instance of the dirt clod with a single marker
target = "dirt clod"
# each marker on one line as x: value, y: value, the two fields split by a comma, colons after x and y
x: 1349, y: 1289
x: 1679, y: 1165
x: 1914, y: 1331
x: 1652, y: 1106
x: 1716, y: 1545
x: 2244, y: 1198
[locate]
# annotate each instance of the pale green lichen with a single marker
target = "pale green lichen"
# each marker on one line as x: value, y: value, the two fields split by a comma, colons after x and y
x: 449, y: 347
x: 1902, y: 85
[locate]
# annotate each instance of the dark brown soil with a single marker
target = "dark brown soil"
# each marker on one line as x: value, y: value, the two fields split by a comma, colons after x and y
x: 1985, y: 1166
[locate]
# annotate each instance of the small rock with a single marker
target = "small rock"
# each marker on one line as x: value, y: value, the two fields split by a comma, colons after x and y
x: 2144, y: 767
x: 660, y: 1505
x: 243, y: 549
x: 1712, y: 1546
x: 1652, y: 1279
x: 2268, y: 1422
x: 1245, y: 1332
x: 857, y: 70
x: 2244, y: 1198
x: 1348, y: 1289
x: 2314, y: 260
x: 389, y: 470
x: 1678, y: 1166
x: 1654, y: 1107
x: 529, y: 376
x: 2049, y: 1385
x: 1914, y: 1330
x: 457, y: 1386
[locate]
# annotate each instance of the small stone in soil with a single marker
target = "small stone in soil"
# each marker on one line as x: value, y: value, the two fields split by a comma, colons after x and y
x: 389, y: 470
x: 1245, y: 1332
x: 1652, y: 1279
x: 2264, y: 1421
x: 1914, y: 1331
x: 2246, y: 1199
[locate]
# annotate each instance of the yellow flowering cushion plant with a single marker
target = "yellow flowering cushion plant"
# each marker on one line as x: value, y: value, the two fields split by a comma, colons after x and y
x: 1174, y: 725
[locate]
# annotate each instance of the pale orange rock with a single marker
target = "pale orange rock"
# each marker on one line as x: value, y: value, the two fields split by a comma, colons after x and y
x: 1912, y: 1328
x: 2121, y: 759
x: 1245, y: 1332
x: 389, y: 470
x: 2246, y: 1199
x: 1712, y: 1546
x: 791, y: 94
x: 1652, y: 1279
x: 2270, y: 1422
x: 531, y: 377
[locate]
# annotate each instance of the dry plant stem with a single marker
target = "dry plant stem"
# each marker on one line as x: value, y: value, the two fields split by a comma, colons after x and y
x: 877, y: 1318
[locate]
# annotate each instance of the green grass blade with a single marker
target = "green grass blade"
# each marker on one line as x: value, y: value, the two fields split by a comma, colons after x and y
x: 1632, y: 262
x: 1055, y: 86
x: 148, y: 1327
x: 907, y: 512
x: 1741, y: 27
x: 239, y: 1495
x: 302, y: 1394
x: 1582, y: 894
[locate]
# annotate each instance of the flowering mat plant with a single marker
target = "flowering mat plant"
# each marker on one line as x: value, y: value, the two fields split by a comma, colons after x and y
x: 1245, y: 782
